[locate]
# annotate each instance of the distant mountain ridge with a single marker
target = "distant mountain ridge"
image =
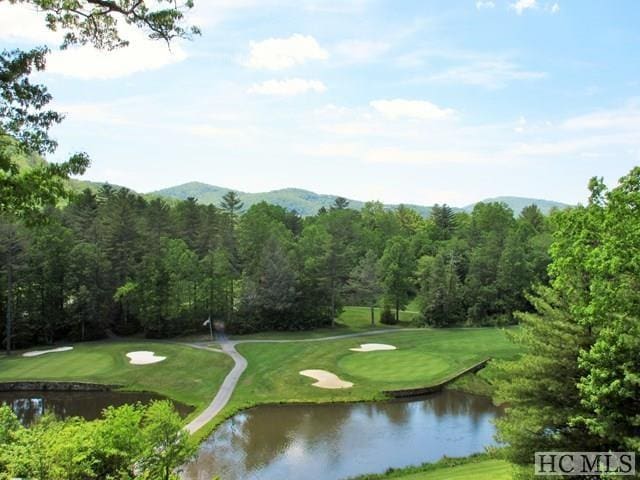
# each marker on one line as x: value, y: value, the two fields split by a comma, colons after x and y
x: 306, y: 202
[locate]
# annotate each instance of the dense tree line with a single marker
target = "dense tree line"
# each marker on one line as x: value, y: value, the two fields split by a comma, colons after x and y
x: 577, y: 387
x: 114, y: 262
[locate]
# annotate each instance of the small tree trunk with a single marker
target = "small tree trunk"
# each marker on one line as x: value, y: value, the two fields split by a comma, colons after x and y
x: 333, y: 307
x: 372, y: 315
x: 9, y: 303
x: 397, y: 310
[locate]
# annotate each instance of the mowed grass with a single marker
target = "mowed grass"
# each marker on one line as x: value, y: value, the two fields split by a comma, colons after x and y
x: 188, y: 375
x: 424, y: 357
x: 351, y: 320
x: 484, y: 470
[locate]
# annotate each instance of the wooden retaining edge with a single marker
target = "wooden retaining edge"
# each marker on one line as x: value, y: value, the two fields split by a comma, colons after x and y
x: 56, y: 386
x: 416, y: 392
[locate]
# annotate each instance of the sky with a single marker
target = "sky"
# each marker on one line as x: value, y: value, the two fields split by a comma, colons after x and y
x: 400, y: 101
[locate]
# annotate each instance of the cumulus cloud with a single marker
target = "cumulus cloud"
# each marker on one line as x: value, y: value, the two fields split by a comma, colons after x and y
x: 522, y: 5
x: 420, y: 109
x: 281, y: 53
x: 288, y: 87
x: 555, y: 8
x: 481, y: 4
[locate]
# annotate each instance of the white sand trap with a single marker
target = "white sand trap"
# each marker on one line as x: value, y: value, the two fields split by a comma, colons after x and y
x: 37, y: 353
x: 372, y: 347
x: 144, y: 358
x: 326, y: 379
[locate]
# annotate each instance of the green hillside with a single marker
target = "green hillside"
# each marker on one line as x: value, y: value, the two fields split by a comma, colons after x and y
x: 303, y: 201
x: 308, y: 203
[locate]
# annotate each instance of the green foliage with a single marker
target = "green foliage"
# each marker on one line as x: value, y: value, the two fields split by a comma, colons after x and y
x: 396, y: 270
x: 112, y: 260
x: 24, y: 119
x: 577, y: 388
x: 129, y: 442
x: 387, y: 317
x: 96, y: 22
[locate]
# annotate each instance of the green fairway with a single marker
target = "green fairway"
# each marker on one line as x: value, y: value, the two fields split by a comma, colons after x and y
x: 424, y: 357
x: 351, y: 320
x: 188, y: 375
x: 484, y: 470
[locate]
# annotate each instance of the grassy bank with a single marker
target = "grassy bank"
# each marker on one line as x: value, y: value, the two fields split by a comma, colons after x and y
x: 478, y: 467
x: 482, y: 466
x: 188, y: 375
x: 351, y: 320
x: 423, y: 358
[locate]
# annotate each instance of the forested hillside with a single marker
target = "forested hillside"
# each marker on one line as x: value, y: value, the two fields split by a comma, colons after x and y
x: 308, y: 203
x: 115, y: 261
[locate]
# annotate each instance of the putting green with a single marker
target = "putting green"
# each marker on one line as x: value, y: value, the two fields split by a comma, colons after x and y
x: 396, y: 365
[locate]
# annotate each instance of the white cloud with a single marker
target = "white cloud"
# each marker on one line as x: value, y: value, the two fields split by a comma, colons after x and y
x: 487, y: 73
x: 23, y: 23
x: 360, y: 51
x: 281, y: 53
x: 88, y: 63
x: 288, y: 87
x: 555, y: 8
x: 480, y: 4
x: 522, y: 5
x: 411, y: 109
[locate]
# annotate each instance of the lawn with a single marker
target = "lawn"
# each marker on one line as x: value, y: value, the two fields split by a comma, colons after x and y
x: 188, y: 375
x: 424, y: 357
x: 351, y: 320
x: 483, y: 470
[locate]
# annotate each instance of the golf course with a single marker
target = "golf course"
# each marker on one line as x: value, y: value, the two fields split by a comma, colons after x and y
x: 194, y: 369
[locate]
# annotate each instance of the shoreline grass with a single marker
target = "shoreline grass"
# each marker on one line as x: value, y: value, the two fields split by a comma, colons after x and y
x: 479, y: 466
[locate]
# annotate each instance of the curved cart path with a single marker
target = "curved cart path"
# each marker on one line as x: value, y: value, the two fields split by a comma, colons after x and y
x: 240, y: 364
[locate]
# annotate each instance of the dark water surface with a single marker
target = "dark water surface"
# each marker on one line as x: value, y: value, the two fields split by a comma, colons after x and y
x: 326, y: 442
x: 28, y: 405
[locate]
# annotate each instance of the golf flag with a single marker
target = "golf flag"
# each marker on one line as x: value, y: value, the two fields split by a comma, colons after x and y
x: 207, y: 322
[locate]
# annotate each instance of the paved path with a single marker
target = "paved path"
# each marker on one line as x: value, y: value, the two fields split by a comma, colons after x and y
x: 226, y: 389
x: 231, y: 380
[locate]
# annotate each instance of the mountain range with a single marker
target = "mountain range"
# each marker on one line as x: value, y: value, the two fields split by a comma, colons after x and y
x: 306, y: 202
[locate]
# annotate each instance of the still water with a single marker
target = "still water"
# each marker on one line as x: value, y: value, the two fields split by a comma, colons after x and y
x: 326, y: 442
x: 30, y: 405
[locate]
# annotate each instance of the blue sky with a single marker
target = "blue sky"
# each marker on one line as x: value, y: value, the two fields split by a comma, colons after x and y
x: 401, y: 101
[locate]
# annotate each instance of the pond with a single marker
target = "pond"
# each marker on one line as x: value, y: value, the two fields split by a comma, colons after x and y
x: 28, y: 405
x: 336, y: 441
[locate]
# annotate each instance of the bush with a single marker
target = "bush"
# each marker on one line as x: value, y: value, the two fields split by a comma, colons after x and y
x: 387, y: 317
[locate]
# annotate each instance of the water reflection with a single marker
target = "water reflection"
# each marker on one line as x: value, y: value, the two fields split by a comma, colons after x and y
x: 341, y: 440
x: 28, y: 406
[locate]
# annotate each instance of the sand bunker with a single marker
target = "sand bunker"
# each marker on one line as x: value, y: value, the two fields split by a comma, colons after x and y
x: 144, y: 358
x: 373, y: 347
x: 37, y: 353
x: 326, y: 379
